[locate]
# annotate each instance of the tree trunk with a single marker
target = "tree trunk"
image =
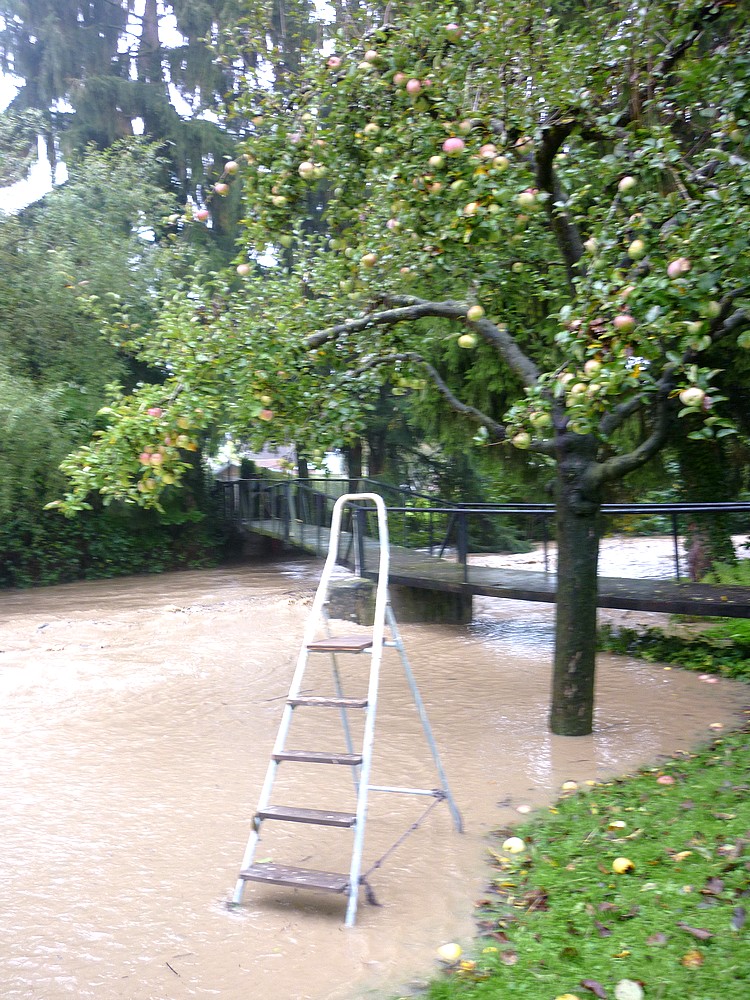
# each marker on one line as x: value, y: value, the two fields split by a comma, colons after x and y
x: 353, y: 455
x: 578, y: 532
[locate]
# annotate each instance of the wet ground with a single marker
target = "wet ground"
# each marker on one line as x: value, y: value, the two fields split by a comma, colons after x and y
x: 136, y: 719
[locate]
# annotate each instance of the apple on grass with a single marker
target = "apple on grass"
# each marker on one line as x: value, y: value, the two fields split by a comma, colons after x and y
x: 369, y: 260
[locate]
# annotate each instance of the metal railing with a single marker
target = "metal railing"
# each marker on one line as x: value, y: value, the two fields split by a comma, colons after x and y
x: 301, y: 510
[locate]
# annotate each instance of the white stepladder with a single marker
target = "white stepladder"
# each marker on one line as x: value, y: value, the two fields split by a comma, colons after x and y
x: 359, y: 760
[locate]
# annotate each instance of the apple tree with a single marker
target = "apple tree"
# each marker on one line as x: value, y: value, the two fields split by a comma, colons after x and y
x: 536, y: 215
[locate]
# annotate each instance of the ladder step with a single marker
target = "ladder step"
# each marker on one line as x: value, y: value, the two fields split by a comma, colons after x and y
x: 300, y: 878
x: 341, y: 644
x: 319, y: 757
x: 320, y: 817
x: 316, y: 702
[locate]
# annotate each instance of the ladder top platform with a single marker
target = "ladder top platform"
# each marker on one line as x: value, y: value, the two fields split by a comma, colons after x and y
x: 341, y: 644
x: 300, y: 878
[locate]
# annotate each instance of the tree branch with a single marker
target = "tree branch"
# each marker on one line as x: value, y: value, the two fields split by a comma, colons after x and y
x: 673, y: 53
x: 621, y: 465
x: 566, y: 232
x: 728, y: 322
x: 406, y: 308
x: 495, y: 429
x: 616, y: 417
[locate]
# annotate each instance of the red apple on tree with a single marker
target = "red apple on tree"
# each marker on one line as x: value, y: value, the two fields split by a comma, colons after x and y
x: 454, y: 145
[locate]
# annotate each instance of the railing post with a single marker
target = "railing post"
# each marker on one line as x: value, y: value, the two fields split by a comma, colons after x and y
x: 287, y: 511
x: 462, y: 542
x: 676, y: 542
x: 359, y: 540
x: 545, y: 542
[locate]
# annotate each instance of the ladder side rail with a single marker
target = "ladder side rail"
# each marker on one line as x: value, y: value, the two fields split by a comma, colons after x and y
x: 411, y: 680
x: 344, y: 716
x: 381, y: 604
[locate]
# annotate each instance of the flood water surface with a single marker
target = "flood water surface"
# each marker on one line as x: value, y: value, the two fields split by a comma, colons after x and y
x: 136, y: 720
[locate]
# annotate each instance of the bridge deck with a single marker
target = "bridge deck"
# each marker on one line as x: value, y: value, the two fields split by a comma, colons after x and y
x: 413, y: 568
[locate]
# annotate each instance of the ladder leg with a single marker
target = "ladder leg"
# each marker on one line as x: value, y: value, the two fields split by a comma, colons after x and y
x: 455, y: 814
x: 343, y: 714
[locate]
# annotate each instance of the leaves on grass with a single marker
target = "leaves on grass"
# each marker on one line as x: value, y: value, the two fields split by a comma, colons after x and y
x: 692, y: 959
x: 714, y: 887
x: 697, y: 932
x: 738, y: 918
x: 604, y: 931
x: 596, y: 988
x: 659, y: 938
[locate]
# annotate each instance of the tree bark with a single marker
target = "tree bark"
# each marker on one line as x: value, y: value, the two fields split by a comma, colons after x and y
x: 578, y: 532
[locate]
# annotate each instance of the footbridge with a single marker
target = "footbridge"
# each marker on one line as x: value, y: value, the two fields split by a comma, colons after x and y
x: 435, y: 546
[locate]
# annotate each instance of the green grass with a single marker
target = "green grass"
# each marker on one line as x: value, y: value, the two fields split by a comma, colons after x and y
x: 723, y: 649
x: 558, y: 920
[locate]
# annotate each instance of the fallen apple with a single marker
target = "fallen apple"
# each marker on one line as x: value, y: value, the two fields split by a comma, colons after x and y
x: 622, y: 865
x: 449, y: 953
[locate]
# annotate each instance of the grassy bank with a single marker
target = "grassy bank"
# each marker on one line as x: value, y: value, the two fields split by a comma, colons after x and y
x: 634, y: 888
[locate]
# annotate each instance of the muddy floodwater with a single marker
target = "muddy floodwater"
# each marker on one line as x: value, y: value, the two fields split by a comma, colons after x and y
x: 136, y: 720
